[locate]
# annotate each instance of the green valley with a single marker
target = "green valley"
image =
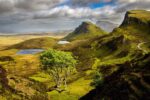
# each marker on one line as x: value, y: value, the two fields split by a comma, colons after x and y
x: 106, y: 66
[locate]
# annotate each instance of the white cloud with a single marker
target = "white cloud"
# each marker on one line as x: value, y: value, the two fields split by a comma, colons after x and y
x: 71, y: 12
x: 125, y: 5
x: 27, y: 12
x: 132, y: 1
x: 27, y: 5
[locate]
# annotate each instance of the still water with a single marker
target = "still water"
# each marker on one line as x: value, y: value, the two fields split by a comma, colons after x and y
x: 29, y: 51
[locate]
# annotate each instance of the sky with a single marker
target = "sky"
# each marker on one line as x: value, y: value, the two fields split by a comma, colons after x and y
x: 30, y: 16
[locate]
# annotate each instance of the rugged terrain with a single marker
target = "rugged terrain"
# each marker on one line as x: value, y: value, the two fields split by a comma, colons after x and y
x: 112, y: 66
x: 126, y: 75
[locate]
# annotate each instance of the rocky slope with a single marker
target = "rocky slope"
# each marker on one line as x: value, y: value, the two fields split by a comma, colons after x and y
x: 125, y: 75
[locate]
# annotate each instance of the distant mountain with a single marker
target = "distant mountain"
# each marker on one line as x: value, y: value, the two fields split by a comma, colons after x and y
x: 106, y: 25
x: 84, y: 31
x: 62, y: 33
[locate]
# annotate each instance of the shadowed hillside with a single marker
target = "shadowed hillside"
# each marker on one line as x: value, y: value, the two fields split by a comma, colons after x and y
x: 126, y: 77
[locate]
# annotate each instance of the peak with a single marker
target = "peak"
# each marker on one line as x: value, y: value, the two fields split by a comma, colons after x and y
x: 85, y: 27
x: 84, y: 31
x: 87, y: 23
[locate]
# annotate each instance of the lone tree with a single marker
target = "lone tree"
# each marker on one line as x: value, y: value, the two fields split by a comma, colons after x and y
x: 59, y: 65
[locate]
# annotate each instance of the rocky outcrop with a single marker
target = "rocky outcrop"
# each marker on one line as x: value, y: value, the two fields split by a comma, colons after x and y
x: 129, y: 82
x: 4, y: 80
x: 140, y: 17
x: 84, y: 28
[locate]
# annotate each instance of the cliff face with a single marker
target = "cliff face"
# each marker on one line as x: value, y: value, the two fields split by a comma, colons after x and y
x: 136, y: 24
x: 126, y: 77
x: 139, y: 17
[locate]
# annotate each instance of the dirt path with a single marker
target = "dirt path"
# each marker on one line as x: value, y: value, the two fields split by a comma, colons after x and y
x: 140, y: 48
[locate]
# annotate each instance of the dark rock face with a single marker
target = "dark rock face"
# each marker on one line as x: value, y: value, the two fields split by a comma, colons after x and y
x: 129, y: 82
x: 129, y: 19
x: 6, y: 58
x: 3, y: 78
x: 4, y: 82
x: 83, y: 28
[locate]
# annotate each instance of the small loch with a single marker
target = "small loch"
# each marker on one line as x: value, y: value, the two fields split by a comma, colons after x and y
x: 29, y: 51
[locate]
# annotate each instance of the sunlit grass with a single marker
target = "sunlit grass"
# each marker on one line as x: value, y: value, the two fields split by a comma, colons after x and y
x: 74, y: 91
x: 41, y: 77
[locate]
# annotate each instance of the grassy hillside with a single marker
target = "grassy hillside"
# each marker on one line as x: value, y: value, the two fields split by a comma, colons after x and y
x: 136, y: 24
x: 84, y: 31
x: 8, y: 40
x: 44, y: 42
x: 137, y: 16
x: 125, y: 76
x: 28, y: 82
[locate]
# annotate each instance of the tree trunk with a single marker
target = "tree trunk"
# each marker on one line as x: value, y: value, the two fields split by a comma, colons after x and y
x: 65, y: 83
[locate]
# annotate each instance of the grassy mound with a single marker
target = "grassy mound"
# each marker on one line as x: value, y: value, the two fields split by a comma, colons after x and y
x: 44, y: 42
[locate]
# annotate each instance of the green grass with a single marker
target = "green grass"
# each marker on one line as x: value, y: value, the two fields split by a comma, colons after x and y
x: 22, y: 65
x: 143, y: 15
x: 114, y: 61
x: 10, y: 52
x: 54, y: 95
x: 2, y: 98
x: 41, y: 77
x: 74, y: 91
x: 8, y: 40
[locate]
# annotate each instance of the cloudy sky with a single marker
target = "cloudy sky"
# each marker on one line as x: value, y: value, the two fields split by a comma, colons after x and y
x: 22, y: 16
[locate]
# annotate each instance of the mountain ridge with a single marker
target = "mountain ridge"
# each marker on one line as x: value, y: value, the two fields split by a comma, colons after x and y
x: 125, y: 75
x: 137, y: 16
